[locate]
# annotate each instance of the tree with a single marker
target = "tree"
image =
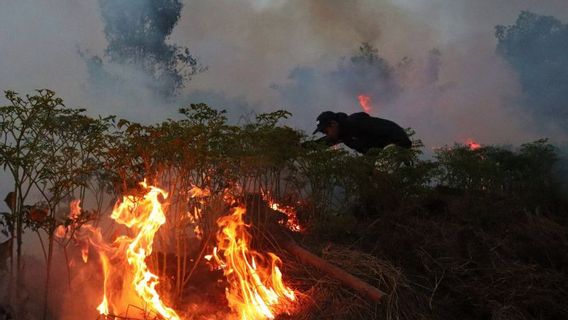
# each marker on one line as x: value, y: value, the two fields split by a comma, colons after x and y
x: 136, y: 31
x: 23, y: 124
x: 536, y: 47
x: 366, y: 72
x: 50, y: 149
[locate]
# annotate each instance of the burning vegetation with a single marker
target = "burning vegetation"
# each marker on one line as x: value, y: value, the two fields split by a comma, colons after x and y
x: 243, y: 222
x: 365, y: 103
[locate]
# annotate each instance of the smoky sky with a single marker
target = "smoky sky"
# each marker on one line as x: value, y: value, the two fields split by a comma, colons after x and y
x: 264, y: 55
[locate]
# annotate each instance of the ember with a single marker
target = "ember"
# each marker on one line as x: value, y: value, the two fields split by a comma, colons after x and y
x: 291, y: 222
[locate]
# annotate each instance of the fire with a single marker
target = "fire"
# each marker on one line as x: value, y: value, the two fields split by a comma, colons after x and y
x: 144, y: 217
x: 365, y: 102
x: 123, y: 261
x: 85, y: 252
x: 472, y: 145
x: 197, y: 192
x: 255, y: 287
x: 292, y: 221
x: 75, y: 209
x: 74, y: 213
x: 103, y: 307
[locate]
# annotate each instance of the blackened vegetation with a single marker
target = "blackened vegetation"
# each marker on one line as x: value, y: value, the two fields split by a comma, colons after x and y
x: 536, y: 47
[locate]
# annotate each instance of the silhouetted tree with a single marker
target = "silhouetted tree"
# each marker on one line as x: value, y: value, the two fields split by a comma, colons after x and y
x: 136, y: 31
x: 537, y: 48
x: 367, y: 72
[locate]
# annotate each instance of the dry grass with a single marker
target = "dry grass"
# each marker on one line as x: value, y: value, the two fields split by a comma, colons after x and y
x: 321, y: 297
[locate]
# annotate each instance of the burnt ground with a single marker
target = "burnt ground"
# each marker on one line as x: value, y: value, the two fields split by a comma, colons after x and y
x: 446, y: 255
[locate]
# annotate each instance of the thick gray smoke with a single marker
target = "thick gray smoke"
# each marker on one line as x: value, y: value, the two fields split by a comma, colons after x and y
x: 437, y: 68
x: 445, y: 78
x: 535, y: 46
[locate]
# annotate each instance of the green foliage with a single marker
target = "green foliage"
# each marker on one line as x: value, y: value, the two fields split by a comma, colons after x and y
x: 203, y: 149
x: 61, y: 153
x: 526, y: 174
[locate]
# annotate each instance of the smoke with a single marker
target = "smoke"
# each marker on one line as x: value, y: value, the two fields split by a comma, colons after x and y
x: 445, y: 78
x: 437, y: 69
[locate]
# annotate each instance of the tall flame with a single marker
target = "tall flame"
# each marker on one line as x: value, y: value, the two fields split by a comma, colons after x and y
x: 255, y: 288
x: 365, y: 102
x: 103, y: 307
x: 144, y: 216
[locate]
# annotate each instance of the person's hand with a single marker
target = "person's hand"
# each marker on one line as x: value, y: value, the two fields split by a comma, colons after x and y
x: 315, y: 144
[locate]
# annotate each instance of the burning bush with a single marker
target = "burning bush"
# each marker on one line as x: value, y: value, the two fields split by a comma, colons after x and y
x: 466, y: 234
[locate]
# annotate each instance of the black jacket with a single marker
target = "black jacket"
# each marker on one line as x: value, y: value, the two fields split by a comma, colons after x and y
x: 361, y: 132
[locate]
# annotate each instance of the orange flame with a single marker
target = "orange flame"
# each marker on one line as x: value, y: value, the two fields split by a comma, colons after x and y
x: 255, y: 288
x: 144, y: 216
x: 365, y: 102
x: 75, y: 209
x: 74, y: 213
x: 85, y: 252
x: 472, y: 145
x: 103, y: 307
x: 292, y: 221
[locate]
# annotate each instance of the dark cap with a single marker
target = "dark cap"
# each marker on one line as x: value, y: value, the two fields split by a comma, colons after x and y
x: 324, y: 120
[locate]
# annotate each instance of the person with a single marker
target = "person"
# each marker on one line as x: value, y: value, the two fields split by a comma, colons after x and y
x: 360, y: 132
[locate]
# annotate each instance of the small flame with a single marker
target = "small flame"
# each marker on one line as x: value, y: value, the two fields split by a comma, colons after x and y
x: 365, y: 102
x: 255, y: 288
x: 472, y: 145
x: 197, y: 192
x: 75, y: 209
x: 103, y: 307
x: 292, y: 221
x: 60, y: 231
x: 74, y: 213
x: 85, y: 252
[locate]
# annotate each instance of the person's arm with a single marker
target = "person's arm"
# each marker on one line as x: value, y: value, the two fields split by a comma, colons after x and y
x: 312, y: 144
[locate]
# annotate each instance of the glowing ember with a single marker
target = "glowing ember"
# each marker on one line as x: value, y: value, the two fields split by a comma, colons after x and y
x: 255, y: 288
x: 291, y: 222
x: 472, y: 145
x: 365, y: 102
